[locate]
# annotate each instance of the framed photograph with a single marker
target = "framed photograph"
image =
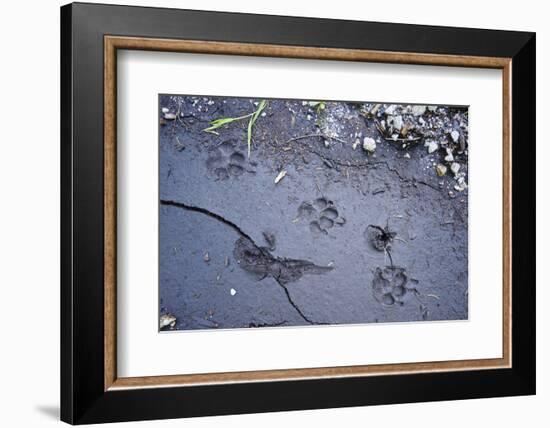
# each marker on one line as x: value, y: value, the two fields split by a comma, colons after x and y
x: 266, y: 213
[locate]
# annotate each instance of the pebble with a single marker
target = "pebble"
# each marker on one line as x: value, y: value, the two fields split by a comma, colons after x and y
x: 390, y: 110
x: 167, y: 320
x: 165, y: 110
x: 441, y: 170
x: 406, y: 155
x: 454, y: 135
x: 369, y: 144
x: 431, y: 145
x: 418, y: 110
x: 397, y: 122
x: 170, y: 116
x: 206, y: 257
x: 455, y: 167
x: 232, y: 291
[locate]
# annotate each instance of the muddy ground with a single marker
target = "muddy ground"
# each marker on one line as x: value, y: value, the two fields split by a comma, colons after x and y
x: 369, y: 223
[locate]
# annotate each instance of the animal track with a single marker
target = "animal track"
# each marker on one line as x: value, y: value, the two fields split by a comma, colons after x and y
x: 321, y: 214
x: 389, y: 285
x: 258, y: 261
x: 226, y: 161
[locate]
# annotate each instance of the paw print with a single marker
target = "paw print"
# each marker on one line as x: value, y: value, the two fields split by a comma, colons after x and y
x: 225, y: 161
x: 321, y: 214
x: 389, y: 285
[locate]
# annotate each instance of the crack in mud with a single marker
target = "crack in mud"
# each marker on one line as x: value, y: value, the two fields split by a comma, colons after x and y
x: 350, y: 164
x: 207, y: 213
x: 257, y: 260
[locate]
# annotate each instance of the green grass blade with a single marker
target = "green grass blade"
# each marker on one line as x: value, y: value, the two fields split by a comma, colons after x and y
x: 251, y: 122
x: 215, y: 124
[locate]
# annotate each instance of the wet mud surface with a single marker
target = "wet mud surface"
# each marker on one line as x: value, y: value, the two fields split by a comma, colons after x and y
x: 344, y: 213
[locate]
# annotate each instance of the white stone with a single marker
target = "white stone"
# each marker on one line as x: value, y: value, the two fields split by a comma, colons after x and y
x: 455, y: 167
x: 396, y: 122
x: 454, y: 135
x: 369, y: 144
x: 390, y: 110
x: 418, y: 110
x: 431, y: 145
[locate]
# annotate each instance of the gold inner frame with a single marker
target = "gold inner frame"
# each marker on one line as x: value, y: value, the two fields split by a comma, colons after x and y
x: 113, y: 43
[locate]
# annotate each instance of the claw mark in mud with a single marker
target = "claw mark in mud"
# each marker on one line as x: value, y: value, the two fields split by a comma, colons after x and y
x: 321, y: 214
x: 389, y: 285
x: 257, y: 260
x: 225, y: 161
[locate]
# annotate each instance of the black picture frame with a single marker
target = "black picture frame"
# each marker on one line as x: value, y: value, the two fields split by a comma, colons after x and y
x: 83, y: 396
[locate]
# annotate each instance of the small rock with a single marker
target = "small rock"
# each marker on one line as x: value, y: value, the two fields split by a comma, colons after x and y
x: 454, y: 135
x: 206, y: 257
x: 455, y: 167
x: 441, y: 170
x: 449, y: 157
x: 431, y: 145
x: 390, y: 110
x: 232, y: 291
x: 165, y: 110
x: 462, y: 185
x: 369, y: 145
x: 418, y: 110
x: 167, y: 320
x: 407, y: 156
x: 357, y: 142
x: 170, y: 116
x: 396, y: 122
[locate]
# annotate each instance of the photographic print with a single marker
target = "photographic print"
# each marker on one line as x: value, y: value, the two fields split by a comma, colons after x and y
x: 289, y: 212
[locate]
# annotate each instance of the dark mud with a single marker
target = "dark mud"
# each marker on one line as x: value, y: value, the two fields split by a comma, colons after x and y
x: 346, y: 236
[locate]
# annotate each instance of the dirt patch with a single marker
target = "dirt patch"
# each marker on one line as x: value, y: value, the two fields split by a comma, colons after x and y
x: 329, y: 199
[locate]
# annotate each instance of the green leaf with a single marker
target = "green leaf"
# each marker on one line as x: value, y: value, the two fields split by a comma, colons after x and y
x: 318, y: 105
x: 215, y: 124
x: 218, y: 123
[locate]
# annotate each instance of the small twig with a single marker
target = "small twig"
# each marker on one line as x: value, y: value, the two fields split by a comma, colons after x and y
x: 412, y: 140
x: 326, y: 137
